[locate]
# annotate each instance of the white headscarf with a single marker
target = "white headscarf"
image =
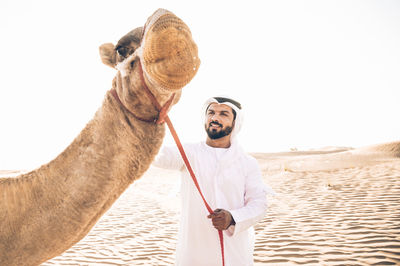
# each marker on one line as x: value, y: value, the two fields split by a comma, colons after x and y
x: 239, y: 113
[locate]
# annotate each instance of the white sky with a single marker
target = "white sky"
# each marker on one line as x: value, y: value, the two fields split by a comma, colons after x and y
x: 308, y: 73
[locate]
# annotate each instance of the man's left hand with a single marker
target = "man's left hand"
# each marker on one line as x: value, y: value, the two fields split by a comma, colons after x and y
x: 221, y: 219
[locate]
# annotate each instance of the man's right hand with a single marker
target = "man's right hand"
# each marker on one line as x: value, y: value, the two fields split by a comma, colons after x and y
x: 221, y: 219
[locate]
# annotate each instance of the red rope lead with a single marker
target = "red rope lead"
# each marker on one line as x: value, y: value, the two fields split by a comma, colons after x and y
x: 185, y: 159
x: 163, y: 116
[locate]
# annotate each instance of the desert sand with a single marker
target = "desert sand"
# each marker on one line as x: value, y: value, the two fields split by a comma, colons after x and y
x: 334, y: 206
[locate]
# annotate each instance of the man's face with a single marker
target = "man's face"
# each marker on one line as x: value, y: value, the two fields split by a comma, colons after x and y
x: 219, y: 121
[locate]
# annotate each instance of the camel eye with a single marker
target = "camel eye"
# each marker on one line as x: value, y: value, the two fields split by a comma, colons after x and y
x: 122, y: 51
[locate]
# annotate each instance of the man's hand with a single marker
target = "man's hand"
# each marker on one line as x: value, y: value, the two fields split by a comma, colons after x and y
x: 221, y: 219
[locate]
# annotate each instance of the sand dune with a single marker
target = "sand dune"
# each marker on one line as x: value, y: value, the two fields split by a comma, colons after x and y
x: 333, y: 207
x: 391, y: 149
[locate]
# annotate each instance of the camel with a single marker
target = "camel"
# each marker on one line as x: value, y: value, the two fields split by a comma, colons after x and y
x: 48, y: 210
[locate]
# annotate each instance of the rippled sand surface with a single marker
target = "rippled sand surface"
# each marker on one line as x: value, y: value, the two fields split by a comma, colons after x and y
x: 331, y: 208
x: 338, y: 216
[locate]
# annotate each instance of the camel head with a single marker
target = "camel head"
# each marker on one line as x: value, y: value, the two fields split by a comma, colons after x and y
x: 162, y: 52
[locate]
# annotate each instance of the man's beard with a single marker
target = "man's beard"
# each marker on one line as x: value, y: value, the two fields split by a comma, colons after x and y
x: 213, y: 134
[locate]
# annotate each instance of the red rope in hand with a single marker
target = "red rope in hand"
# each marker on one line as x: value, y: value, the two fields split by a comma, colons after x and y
x: 163, y: 117
x: 185, y: 159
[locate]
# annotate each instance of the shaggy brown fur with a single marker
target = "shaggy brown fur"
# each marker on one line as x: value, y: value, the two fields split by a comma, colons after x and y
x: 46, y: 211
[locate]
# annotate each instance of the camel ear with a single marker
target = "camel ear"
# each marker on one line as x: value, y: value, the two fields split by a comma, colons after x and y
x: 108, y: 54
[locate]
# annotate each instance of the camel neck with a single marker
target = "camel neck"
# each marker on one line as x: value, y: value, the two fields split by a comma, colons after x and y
x: 78, y: 186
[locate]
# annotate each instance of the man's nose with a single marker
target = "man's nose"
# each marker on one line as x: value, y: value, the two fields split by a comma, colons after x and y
x: 215, y: 118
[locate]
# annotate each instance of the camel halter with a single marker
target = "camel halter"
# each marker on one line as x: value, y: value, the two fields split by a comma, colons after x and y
x: 163, y: 117
x: 162, y: 110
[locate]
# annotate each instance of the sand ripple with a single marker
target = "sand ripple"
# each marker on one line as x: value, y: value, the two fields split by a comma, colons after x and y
x: 341, y: 217
x: 337, y: 216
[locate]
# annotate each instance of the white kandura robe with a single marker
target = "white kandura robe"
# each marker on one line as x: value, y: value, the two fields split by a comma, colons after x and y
x: 229, y: 179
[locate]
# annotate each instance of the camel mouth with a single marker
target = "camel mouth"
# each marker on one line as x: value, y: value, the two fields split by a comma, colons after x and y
x: 169, y: 55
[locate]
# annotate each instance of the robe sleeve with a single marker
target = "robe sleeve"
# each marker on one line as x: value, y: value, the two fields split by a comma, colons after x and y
x: 169, y: 158
x: 255, y: 202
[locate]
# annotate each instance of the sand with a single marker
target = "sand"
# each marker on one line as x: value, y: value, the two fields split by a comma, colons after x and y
x: 332, y: 207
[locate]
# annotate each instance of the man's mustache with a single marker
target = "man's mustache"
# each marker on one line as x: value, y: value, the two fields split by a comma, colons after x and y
x: 214, y: 123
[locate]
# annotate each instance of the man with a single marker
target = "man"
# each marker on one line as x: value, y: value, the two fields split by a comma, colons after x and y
x: 232, y: 185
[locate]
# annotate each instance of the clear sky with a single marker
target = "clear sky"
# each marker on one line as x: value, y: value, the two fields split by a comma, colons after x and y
x: 309, y: 74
